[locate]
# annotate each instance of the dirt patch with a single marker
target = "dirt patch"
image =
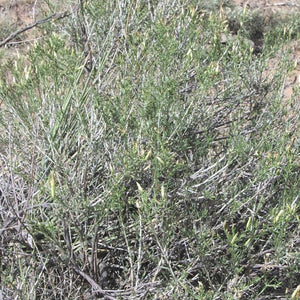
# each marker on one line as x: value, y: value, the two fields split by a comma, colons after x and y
x: 15, y: 15
x: 18, y: 13
x: 275, y: 9
x: 293, y: 79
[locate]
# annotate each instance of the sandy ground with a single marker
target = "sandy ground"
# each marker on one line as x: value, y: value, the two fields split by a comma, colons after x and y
x: 282, y: 8
x: 18, y: 13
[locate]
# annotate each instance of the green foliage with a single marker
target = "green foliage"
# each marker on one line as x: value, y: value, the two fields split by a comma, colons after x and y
x: 142, y: 157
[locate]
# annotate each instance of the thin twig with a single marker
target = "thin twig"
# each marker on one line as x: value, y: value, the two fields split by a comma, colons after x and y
x: 96, y: 287
x: 55, y: 16
x: 283, y: 4
x: 109, y: 294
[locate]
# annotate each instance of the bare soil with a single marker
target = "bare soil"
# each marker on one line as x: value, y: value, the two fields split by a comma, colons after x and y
x: 19, y: 13
x: 280, y: 9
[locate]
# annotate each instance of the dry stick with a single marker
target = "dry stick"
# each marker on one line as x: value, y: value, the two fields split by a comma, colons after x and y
x: 55, y: 16
x: 91, y: 281
x: 109, y: 294
x: 284, y: 4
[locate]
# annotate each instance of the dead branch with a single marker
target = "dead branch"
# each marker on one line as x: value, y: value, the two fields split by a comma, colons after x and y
x: 55, y: 16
